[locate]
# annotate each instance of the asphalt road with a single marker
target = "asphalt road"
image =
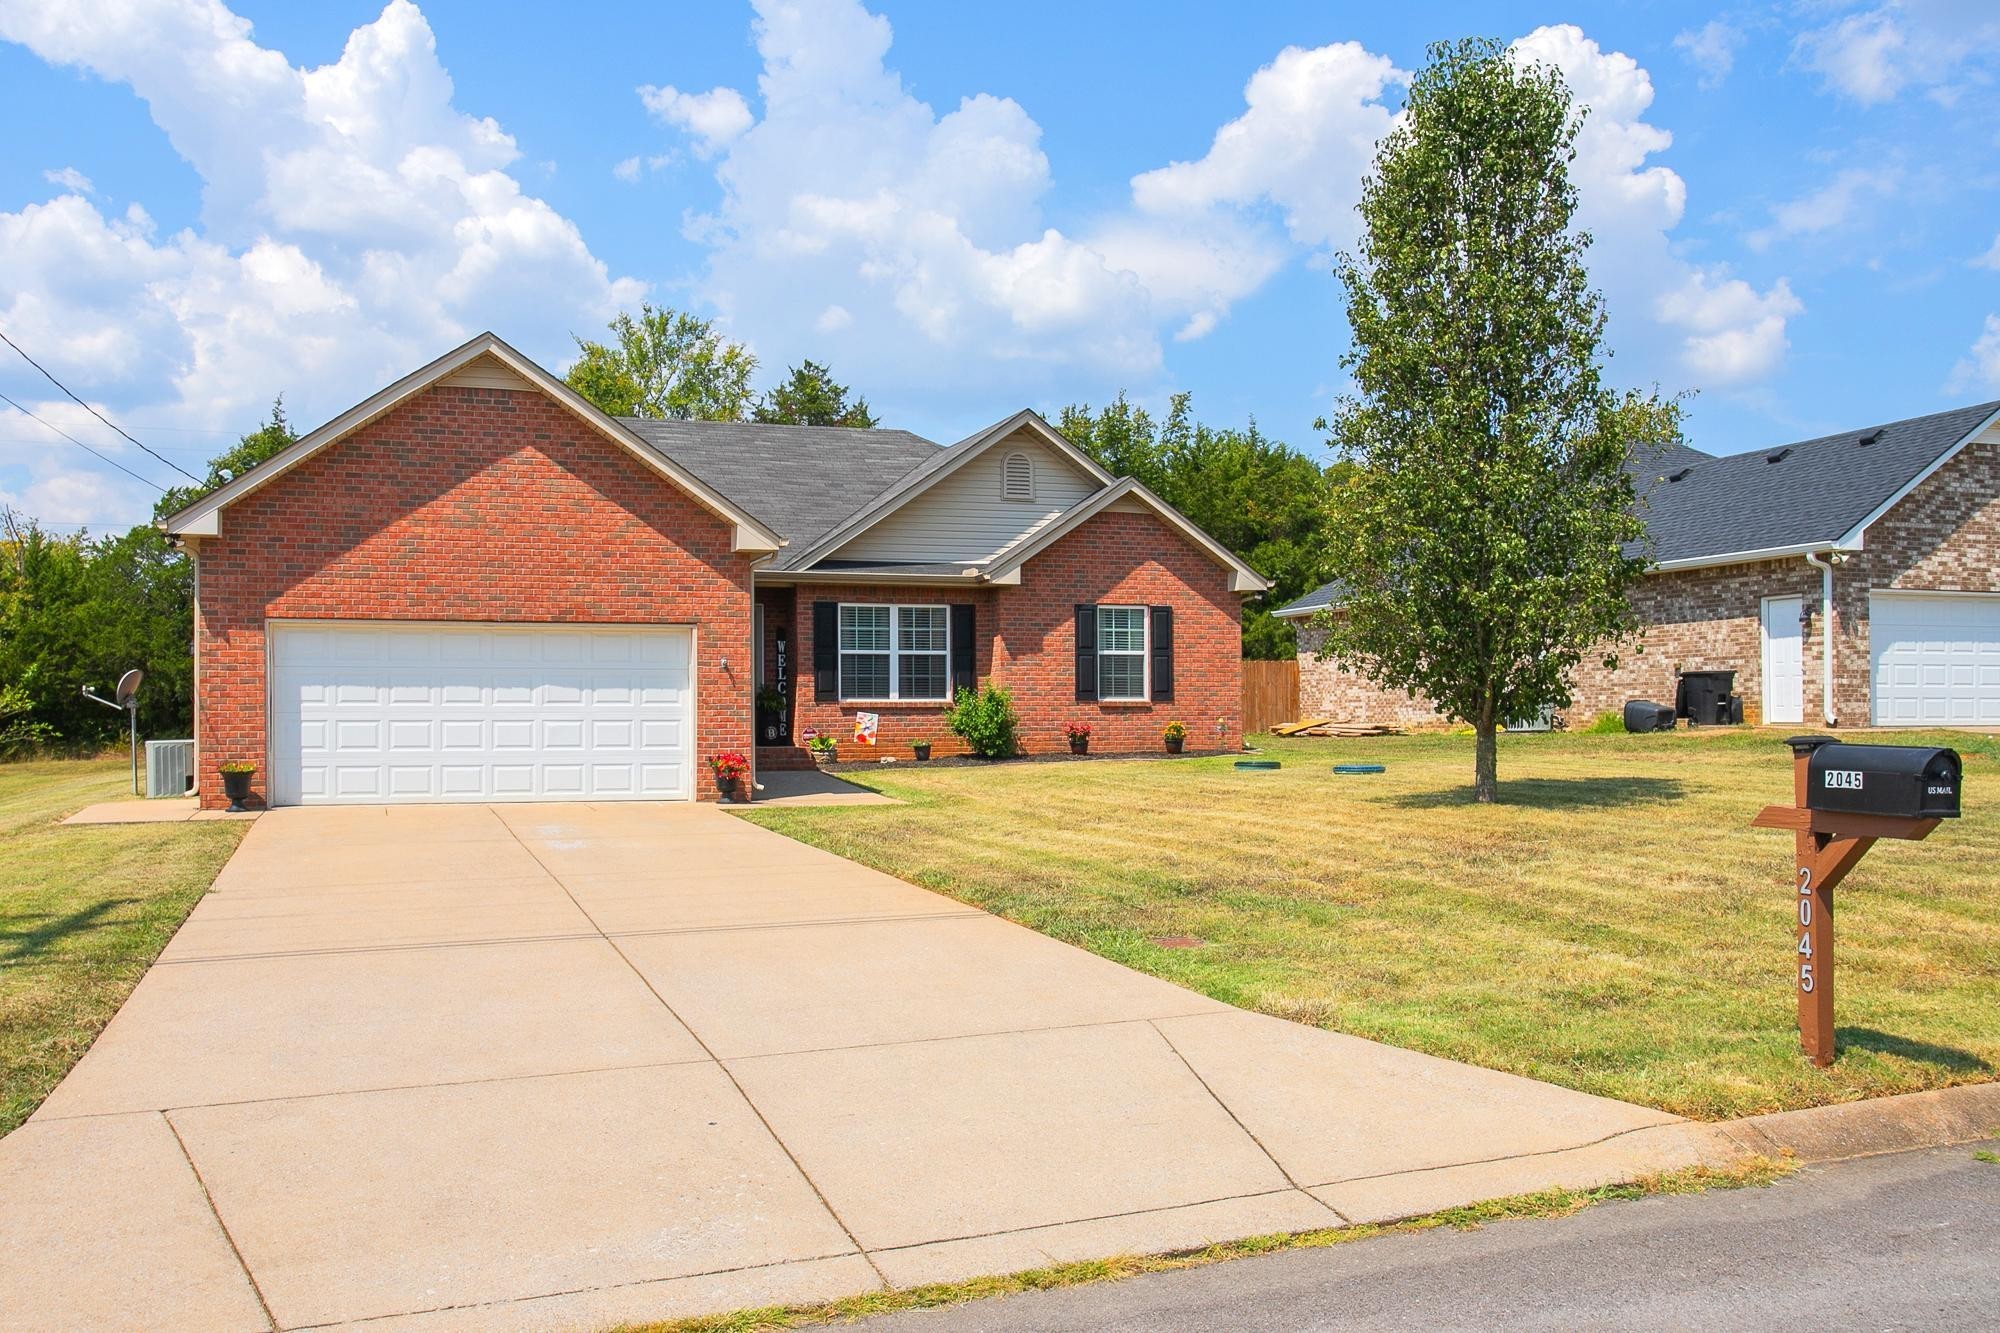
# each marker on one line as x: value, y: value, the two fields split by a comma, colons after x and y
x: 1908, y: 1241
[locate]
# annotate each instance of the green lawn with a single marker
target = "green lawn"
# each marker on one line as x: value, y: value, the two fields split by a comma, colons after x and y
x: 82, y: 913
x: 1614, y: 925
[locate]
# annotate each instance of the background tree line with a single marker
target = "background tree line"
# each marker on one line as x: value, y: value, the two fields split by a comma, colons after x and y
x: 79, y: 609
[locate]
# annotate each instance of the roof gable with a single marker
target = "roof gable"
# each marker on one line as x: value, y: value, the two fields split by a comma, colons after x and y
x: 1124, y: 495
x: 482, y: 362
x: 935, y: 469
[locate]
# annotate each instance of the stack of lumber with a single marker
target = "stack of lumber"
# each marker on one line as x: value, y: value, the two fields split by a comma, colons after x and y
x: 1322, y: 726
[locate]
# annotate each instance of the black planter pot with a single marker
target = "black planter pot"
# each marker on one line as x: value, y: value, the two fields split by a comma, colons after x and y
x: 236, y: 786
x: 732, y: 790
x: 1079, y: 745
x: 1174, y: 744
x: 922, y: 750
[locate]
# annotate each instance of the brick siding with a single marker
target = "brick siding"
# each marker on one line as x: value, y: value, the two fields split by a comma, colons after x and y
x: 1944, y: 536
x: 475, y: 505
x: 1027, y: 642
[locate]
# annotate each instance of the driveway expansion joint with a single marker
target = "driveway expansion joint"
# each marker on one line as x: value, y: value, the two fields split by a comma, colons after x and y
x: 229, y: 1237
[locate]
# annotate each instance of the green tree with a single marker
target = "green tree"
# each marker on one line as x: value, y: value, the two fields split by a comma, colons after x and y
x: 1487, y: 536
x: 666, y: 364
x: 809, y: 397
x: 1263, y: 500
x: 273, y: 437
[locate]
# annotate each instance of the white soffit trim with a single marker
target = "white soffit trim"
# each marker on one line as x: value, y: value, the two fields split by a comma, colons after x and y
x: 203, y: 518
x: 967, y: 449
x: 1853, y: 538
x: 1242, y: 578
x: 1752, y: 557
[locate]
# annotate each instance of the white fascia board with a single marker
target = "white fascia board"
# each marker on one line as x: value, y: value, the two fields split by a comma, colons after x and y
x: 967, y: 449
x: 203, y: 518
x: 779, y: 578
x: 1852, y: 540
x: 1752, y: 557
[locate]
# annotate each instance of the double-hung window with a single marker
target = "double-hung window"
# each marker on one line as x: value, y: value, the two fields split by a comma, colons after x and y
x: 895, y: 652
x: 1121, y: 653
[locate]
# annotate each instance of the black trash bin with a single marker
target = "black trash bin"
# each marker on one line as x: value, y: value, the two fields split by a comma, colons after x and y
x: 1702, y: 697
x: 1642, y: 716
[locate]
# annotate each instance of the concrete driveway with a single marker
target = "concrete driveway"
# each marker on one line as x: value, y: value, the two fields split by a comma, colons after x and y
x: 552, y: 1066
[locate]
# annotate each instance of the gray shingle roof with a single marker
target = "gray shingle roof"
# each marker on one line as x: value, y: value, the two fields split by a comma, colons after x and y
x: 801, y: 481
x: 1702, y: 507
x: 1813, y: 491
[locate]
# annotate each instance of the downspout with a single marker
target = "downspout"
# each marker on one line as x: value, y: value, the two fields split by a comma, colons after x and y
x: 1825, y: 568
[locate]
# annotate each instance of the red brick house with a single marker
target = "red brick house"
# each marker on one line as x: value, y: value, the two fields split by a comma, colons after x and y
x: 1850, y: 580
x: 476, y: 586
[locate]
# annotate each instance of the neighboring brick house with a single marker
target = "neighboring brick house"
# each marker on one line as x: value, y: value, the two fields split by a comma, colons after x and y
x: 476, y: 586
x: 1897, y: 526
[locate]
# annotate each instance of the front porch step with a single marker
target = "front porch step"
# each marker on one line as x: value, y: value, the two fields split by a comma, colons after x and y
x: 783, y: 758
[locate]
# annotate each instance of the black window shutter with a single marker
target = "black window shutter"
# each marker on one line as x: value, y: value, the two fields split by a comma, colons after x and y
x: 1086, y: 652
x: 1163, y: 653
x: 964, y: 648
x: 826, y: 651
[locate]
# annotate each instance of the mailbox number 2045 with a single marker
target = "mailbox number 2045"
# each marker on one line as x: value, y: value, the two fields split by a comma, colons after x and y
x: 1805, y: 930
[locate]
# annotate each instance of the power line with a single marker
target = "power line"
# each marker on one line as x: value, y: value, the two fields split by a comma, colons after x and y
x: 80, y: 444
x: 94, y: 412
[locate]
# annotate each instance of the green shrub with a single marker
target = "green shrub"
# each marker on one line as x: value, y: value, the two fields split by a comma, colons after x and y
x: 1606, y: 724
x: 985, y: 721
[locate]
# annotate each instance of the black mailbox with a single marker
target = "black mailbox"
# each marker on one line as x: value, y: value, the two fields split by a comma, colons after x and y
x: 1906, y: 781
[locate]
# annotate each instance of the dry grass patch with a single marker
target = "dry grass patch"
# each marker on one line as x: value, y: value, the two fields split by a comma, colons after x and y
x: 83, y: 912
x: 1614, y: 925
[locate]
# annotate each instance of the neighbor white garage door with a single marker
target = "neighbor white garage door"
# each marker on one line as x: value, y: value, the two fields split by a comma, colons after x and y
x: 1936, y: 658
x: 377, y: 713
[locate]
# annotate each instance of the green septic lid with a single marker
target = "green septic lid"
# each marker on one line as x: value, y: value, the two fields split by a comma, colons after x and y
x: 1257, y: 763
x: 1360, y: 768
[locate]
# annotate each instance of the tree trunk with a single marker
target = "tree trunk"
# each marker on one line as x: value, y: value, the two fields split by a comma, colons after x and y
x: 1485, y: 761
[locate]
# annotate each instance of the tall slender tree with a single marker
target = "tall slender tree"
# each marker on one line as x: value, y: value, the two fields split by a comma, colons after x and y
x: 1486, y: 538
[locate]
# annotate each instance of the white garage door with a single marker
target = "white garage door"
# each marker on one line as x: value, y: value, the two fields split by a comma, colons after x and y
x: 372, y: 713
x: 1936, y: 659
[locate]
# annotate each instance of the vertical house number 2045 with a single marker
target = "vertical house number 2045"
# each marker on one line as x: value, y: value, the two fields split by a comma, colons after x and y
x: 1805, y: 930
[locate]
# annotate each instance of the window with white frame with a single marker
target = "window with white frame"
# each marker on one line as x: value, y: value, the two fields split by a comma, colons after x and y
x: 895, y: 652
x: 1121, y: 652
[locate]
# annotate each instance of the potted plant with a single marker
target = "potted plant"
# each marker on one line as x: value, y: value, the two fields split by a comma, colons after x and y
x: 922, y: 749
x: 730, y: 768
x: 821, y: 749
x: 236, y: 782
x: 1175, y: 735
x: 1079, y: 737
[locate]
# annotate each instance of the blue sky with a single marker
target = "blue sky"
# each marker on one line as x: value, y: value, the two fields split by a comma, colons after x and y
x: 962, y: 210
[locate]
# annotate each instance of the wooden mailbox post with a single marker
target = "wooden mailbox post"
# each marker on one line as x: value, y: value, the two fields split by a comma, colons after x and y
x: 1844, y: 798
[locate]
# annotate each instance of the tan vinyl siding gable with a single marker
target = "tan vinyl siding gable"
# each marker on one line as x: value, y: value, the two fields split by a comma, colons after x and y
x: 966, y: 516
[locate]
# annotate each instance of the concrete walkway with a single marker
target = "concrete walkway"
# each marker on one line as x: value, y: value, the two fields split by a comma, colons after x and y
x: 561, y: 1066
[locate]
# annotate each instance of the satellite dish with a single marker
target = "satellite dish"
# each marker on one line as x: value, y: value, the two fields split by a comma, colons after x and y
x: 128, y: 685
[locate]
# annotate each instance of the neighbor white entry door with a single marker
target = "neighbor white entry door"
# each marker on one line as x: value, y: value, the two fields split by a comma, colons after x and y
x: 1784, y: 660
x: 1936, y: 658
x: 367, y: 712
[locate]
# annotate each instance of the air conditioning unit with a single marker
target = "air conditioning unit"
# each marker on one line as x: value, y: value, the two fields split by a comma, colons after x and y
x: 169, y: 768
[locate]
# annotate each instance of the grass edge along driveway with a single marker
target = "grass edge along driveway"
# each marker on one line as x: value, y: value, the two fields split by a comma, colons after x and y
x: 1614, y: 925
x: 83, y: 912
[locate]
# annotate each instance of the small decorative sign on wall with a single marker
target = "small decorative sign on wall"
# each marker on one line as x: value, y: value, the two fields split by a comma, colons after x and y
x: 865, y: 726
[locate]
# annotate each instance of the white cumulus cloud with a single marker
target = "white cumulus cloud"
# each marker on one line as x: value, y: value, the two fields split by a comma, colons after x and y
x: 1873, y: 54
x: 1979, y: 369
x: 70, y: 179
x: 355, y: 222
x: 1719, y: 330
x: 714, y: 119
x: 1712, y: 49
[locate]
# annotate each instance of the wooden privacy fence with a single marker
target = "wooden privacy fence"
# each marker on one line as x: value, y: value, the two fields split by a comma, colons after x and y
x: 1270, y: 694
